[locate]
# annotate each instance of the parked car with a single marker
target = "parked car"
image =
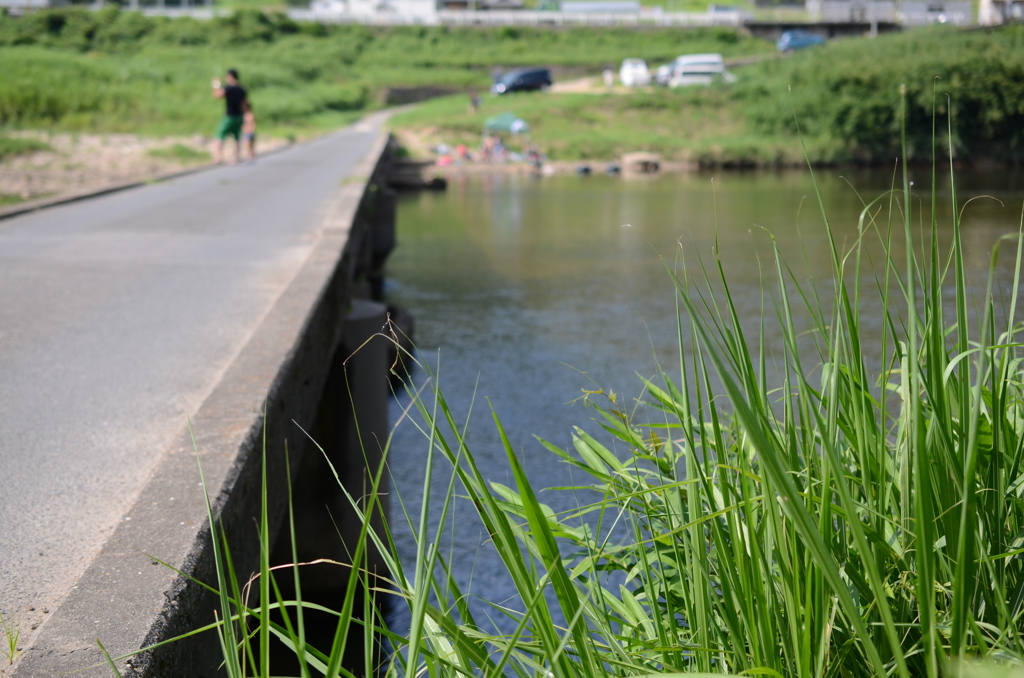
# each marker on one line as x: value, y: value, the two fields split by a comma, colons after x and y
x: 798, y: 39
x: 699, y: 69
x: 634, y: 73
x: 663, y: 74
x: 522, y: 80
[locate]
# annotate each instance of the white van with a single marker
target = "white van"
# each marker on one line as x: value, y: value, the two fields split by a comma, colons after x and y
x: 699, y: 69
x: 634, y: 73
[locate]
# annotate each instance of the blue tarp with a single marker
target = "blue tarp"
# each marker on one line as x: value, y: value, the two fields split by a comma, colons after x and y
x: 506, y: 122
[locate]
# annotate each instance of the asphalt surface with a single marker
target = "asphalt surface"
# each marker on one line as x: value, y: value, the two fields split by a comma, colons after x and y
x: 119, y: 314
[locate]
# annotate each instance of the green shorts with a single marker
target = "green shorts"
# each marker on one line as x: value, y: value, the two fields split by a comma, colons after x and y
x: 230, y: 126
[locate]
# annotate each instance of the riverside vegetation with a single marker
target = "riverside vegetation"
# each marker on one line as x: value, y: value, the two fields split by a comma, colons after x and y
x: 12, y: 146
x: 113, y: 71
x: 841, y: 94
x: 789, y: 510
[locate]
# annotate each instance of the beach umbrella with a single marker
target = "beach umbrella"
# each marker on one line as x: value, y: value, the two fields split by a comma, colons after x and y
x: 506, y: 122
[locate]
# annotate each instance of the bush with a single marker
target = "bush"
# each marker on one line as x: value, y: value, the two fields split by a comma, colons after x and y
x: 847, y: 90
x: 124, y: 32
x: 184, y: 32
x: 42, y: 87
x: 282, y: 105
x: 245, y: 26
x: 67, y: 28
x: 12, y: 146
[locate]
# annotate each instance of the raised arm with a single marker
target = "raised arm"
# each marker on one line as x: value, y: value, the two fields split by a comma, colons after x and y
x: 218, y: 89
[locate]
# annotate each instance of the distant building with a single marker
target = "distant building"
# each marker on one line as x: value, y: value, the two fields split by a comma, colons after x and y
x: 32, y: 4
x: 601, y: 6
x: 915, y: 13
x: 852, y: 11
x: 146, y: 6
x: 994, y: 12
x: 485, y: 5
x: 607, y: 7
x: 906, y: 12
x: 414, y: 11
x: 327, y: 9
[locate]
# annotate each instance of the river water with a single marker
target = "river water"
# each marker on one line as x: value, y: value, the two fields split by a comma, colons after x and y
x: 526, y: 291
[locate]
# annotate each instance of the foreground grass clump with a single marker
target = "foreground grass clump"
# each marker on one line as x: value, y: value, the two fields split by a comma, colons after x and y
x: 13, y: 146
x: 792, y: 510
x: 12, y: 635
x: 179, y: 153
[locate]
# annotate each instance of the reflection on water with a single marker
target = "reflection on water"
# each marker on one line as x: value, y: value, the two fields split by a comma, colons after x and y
x: 526, y: 291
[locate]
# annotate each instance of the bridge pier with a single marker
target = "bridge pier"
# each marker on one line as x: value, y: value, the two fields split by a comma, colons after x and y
x: 352, y: 428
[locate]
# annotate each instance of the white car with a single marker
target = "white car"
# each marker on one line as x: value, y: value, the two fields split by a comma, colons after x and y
x: 634, y: 73
x: 663, y: 74
x: 699, y: 69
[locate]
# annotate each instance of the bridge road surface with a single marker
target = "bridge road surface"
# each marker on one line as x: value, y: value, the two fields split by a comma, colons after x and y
x: 116, y: 314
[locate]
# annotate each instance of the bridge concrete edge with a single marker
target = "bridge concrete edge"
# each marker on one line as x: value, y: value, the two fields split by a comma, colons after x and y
x: 141, y: 589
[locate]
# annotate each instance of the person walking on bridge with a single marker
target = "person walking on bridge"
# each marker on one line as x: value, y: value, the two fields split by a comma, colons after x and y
x: 235, y: 100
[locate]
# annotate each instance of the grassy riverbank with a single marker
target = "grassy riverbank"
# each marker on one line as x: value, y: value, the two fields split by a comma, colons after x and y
x: 844, y: 98
x: 701, y: 127
x: 776, y: 504
x: 111, y: 71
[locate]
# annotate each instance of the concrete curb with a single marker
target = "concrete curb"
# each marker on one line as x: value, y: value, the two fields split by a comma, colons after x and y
x: 125, y: 597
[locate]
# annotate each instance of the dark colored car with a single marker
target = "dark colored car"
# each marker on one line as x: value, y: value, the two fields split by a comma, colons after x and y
x: 798, y: 39
x: 522, y: 80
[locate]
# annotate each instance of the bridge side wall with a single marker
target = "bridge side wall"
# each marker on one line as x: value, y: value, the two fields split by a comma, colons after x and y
x: 284, y: 370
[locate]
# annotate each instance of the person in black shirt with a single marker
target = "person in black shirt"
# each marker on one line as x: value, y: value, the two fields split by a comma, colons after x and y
x: 235, y: 100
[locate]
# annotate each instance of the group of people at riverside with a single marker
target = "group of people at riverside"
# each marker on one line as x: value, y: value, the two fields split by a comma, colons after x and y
x: 239, y: 120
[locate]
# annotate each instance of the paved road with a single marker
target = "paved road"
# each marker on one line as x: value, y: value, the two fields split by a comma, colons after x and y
x: 117, y: 314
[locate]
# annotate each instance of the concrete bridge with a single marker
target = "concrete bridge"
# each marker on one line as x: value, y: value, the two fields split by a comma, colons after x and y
x: 218, y: 294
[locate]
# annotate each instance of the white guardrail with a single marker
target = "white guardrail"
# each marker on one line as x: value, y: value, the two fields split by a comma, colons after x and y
x: 199, y: 9
x: 525, y: 18
x: 957, y: 13
x: 599, y: 19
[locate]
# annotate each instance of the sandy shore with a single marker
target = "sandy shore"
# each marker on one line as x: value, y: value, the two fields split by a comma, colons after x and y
x: 550, y: 168
x: 419, y: 143
x: 82, y: 162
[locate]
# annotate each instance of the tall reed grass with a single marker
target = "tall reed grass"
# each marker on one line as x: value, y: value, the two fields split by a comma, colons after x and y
x: 812, y: 517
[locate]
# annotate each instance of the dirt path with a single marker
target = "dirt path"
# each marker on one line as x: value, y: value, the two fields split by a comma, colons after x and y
x: 80, y: 162
x: 593, y: 85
